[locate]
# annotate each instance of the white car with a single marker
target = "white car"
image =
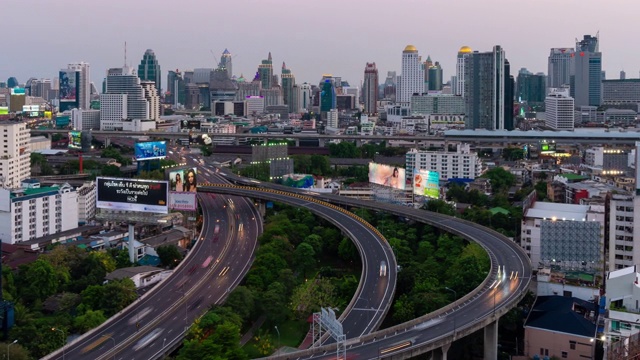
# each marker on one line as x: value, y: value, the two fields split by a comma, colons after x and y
x: 383, y: 268
x: 148, y: 339
x: 140, y: 314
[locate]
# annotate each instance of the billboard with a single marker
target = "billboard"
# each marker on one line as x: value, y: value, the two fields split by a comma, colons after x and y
x: 190, y: 124
x: 426, y: 183
x: 386, y: 175
x: 18, y: 91
x: 68, y: 85
x: 547, y: 147
x: 151, y: 150
x: 132, y: 195
x: 4, y: 110
x: 182, y: 201
x: 184, y: 180
x: 298, y: 180
x: 75, y: 140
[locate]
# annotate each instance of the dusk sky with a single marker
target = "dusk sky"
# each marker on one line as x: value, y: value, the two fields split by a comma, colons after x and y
x: 313, y: 37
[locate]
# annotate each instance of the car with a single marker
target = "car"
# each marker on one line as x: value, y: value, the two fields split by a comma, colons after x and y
x: 148, y: 339
x: 140, y: 314
x: 216, y: 230
x: 383, y: 268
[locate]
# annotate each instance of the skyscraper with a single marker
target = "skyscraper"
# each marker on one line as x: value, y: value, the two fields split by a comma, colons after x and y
x: 84, y: 84
x: 225, y: 63
x: 69, y: 93
x: 559, y: 111
x: 327, y: 93
x: 265, y: 70
x: 412, y: 79
x: 288, y: 82
x: 586, y: 77
x: 458, y: 86
x: 370, y: 89
x: 435, y: 77
x: 488, y: 90
x: 149, y: 69
x: 175, y: 88
x: 559, y: 67
x: 530, y: 88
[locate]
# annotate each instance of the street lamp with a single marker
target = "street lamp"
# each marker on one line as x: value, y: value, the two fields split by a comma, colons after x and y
x: 114, y: 344
x: 278, y: 351
x: 64, y: 340
x: 455, y: 299
x: 13, y: 343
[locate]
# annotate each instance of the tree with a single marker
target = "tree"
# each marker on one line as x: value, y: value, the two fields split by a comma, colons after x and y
x: 43, y: 280
x: 111, y: 170
x: 501, y: 179
x: 304, y: 258
x: 169, y: 255
x: 89, y: 320
x: 347, y: 250
x: 14, y: 351
x: 241, y: 301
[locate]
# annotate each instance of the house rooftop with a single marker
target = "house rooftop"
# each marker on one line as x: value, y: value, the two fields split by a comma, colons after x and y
x: 128, y: 272
x: 568, y: 315
x: 547, y: 210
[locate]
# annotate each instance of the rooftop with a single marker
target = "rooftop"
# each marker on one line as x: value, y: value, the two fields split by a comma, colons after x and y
x: 130, y: 271
x: 563, y: 314
x: 547, y: 210
x: 577, y: 133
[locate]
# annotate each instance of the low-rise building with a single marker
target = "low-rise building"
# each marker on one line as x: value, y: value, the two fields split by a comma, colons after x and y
x: 462, y: 164
x: 140, y: 275
x: 621, y: 336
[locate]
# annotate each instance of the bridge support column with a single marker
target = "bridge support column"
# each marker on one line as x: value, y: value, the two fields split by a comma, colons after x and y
x: 322, y: 143
x: 107, y: 142
x: 265, y: 141
x: 262, y: 208
x: 358, y: 143
x: 236, y: 141
x: 491, y: 341
x: 297, y: 142
x: 132, y: 244
x: 440, y: 354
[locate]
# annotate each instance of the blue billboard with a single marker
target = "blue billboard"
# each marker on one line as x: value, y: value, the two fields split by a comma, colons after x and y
x: 151, y: 150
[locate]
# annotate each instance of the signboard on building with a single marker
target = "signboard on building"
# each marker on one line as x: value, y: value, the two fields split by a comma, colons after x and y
x: 132, y: 195
x: 386, y: 175
x: 151, y: 150
x: 185, y: 201
x: 426, y: 183
x: 183, y: 180
x: 75, y: 140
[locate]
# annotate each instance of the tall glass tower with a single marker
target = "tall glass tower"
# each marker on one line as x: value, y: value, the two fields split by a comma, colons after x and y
x: 149, y: 69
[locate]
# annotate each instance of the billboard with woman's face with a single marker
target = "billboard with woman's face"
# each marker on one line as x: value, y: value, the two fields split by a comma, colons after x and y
x: 386, y: 175
x: 183, y: 180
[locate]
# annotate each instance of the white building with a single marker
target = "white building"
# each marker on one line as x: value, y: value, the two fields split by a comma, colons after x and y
x: 30, y: 213
x: 15, y: 153
x: 623, y: 319
x: 566, y: 235
x: 459, y: 164
x: 86, y: 202
x: 622, y: 231
x: 412, y: 79
x: 113, y: 109
x: 255, y: 105
x: 127, y: 97
x: 85, y: 119
x: 153, y: 99
x: 458, y: 85
x: 559, y: 113
x: 38, y: 143
x: 84, y: 87
x: 332, y: 118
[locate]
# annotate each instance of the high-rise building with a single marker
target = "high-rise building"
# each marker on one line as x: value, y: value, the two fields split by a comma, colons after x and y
x: 41, y: 88
x: 149, y: 69
x: 488, y: 90
x: 175, y: 88
x: 426, y: 66
x: 412, y: 79
x: 221, y: 88
x: 15, y: 153
x: 225, y: 63
x: 84, y: 83
x: 531, y: 87
x: 12, y: 82
x: 560, y: 113
x: 559, y: 67
x: 458, y: 86
x: 619, y: 92
x: 327, y: 93
x: 304, y: 97
x: 370, y: 89
x: 288, y: 82
x: 586, y: 77
x: 435, y: 77
x: 265, y: 70
x: 69, y: 92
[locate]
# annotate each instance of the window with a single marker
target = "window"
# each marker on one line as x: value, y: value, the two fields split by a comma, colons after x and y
x: 572, y: 345
x: 565, y: 355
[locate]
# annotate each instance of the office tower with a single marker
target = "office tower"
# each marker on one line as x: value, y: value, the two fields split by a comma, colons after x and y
x: 623, y: 75
x: 305, y: 96
x: 559, y: 113
x: 370, y: 89
x: 41, y: 88
x: 221, y: 88
x: 586, y: 76
x: 559, y: 67
x: 458, y: 85
x: 265, y: 70
x: 225, y: 63
x: 149, y: 69
x: 15, y: 153
x: 509, y: 97
x: 390, y: 86
x: 69, y: 94
x: 426, y: 66
x: 412, y: 79
x: 531, y: 87
x: 12, y: 82
x: 84, y: 84
x: 487, y: 89
x: 435, y: 77
x: 175, y: 88
x: 288, y: 82
x: 150, y: 93
x: 327, y: 93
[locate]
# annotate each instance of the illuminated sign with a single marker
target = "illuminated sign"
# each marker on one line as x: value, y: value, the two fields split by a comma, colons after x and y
x: 132, y: 195
x: 386, y: 175
x: 151, y: 150
x: 426, y: 183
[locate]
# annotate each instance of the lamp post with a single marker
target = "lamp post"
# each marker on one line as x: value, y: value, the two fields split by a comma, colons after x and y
x: 13, y: 343
x: 278, y: 351
x: 114, y: 344
x: 64, y: 341
x: 455, y: 299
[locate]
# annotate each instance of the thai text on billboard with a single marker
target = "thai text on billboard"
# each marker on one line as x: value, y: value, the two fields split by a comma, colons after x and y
x: 68, y: 85
x: 185, y: 201
x: 151, y: 150
x: 183, y: 180
x: 386, y: 175
x: 147, y: 196
x: 426, y: 183
x: 75, y: 139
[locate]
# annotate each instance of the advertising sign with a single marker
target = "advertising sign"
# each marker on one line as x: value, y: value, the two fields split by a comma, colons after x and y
x: 151, y: 150
x: 426, y: 183
x: 190, y: 124
x: 182, y: 201
x: 547, y: 147
x: 4, y: 110
x: 386, y: 175
x: 75, y: 139
x: 132, y: 195
x: 68, y: 85
x: 18, y: 91
x: 183, y: 180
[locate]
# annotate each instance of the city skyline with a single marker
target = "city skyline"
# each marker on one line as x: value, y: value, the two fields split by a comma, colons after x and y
x: 251, y: 30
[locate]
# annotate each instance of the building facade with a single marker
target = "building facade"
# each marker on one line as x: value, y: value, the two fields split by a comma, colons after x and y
x: 142, y: 101
x: 619, y: 92
x: 437, y: 104
x: 462, y: 163
x: 586, y: 78
x: 412, y: 78
x: 85, y: 119
x: 265, y: 71
x: 86, y: 202
x: 15, y: 154
x: 559, y: 67
x: 149, y: 70
x: 84, y: 83
x: 370, y: 89
x: 458, y: 86
x: 560, y: 114
x: 288, y: 82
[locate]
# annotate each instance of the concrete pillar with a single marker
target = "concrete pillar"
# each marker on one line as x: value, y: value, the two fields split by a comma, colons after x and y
x: 107, y: 142
x: 441, y: 353
x: 491, y: 341
x: 236, y: 141
x: 297, y: 142
x: 262, y: 208
x: 132, y: 243
x: 321, y: 142
x: 265, y: 141
x: 358, y: 143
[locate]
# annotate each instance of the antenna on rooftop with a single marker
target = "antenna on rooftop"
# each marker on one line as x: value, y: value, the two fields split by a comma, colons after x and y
x: 125, y: 53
